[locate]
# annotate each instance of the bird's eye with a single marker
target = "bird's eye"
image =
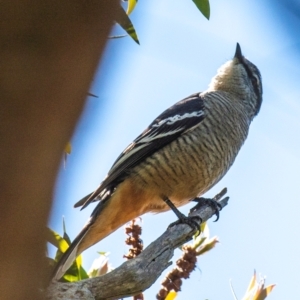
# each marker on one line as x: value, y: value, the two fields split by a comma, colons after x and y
x: 255, y: 80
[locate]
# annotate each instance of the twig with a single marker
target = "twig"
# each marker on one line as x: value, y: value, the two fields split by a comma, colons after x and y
x: 136, y: 275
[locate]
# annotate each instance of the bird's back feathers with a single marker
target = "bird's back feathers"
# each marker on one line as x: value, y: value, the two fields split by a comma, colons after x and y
x: 173, y: 122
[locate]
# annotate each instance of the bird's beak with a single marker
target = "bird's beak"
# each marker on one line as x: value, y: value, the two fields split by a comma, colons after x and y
x: 238, y: 52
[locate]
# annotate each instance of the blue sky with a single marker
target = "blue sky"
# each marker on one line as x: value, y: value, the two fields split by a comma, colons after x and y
x: 179, y: 52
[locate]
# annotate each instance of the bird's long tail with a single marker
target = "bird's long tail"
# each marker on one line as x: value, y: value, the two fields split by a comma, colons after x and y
x: 115, y: 210
x: 74, y: 250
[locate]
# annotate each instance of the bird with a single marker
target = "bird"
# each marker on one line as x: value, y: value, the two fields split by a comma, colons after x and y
x: 184, y: 152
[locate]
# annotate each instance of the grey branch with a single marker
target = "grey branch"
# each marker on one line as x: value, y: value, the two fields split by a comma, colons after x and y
x: 136, y: 275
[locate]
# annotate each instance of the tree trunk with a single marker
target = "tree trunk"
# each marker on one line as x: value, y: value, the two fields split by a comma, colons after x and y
x: 49, y: 52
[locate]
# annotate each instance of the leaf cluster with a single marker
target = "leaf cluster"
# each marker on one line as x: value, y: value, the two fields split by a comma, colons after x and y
x: 122, y: 17
x: 76, y: 272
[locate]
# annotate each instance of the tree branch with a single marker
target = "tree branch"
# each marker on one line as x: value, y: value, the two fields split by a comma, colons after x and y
x: 136, y: 275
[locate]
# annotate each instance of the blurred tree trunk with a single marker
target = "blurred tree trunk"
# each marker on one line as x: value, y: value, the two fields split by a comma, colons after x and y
x: 49, y: 52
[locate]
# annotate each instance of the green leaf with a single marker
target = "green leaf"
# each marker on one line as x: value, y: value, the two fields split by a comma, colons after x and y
x: 203, y: 6
x: 131, y: 5
x: 75, y: 272
x: 69, y: 278
x: 56, y: 240
x: 66, y: 236
x: 82, y: 273
x: 171, y: 295
x: 124, y: 21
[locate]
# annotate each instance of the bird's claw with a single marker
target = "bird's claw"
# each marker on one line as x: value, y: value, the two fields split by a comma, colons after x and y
x: 193, y: 222
x: 212, y: 202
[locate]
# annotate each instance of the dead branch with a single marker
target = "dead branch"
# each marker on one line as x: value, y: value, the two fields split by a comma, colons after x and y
x: 136, y: 275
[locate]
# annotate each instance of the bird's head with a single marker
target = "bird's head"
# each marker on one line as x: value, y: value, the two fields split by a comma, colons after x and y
x: 242, y: 78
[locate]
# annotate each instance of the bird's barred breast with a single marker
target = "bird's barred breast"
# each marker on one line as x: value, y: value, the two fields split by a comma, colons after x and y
x: 193, y: 163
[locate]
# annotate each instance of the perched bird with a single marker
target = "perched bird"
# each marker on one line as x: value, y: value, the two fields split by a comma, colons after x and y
x: 181, y: 155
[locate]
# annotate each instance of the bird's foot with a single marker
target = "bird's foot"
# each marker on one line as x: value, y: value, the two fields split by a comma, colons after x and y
x: 193, y: 222
x: 182, y: 219
x: 212, y: 202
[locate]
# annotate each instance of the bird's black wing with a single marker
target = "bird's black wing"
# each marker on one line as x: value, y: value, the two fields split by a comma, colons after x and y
x: 179, y: 118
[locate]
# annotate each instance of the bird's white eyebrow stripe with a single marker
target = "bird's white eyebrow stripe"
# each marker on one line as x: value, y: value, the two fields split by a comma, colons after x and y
x: 178, y: 117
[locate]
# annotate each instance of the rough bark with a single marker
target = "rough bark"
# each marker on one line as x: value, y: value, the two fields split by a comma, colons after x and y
x: 136, y: 275
x: 49, y: 51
